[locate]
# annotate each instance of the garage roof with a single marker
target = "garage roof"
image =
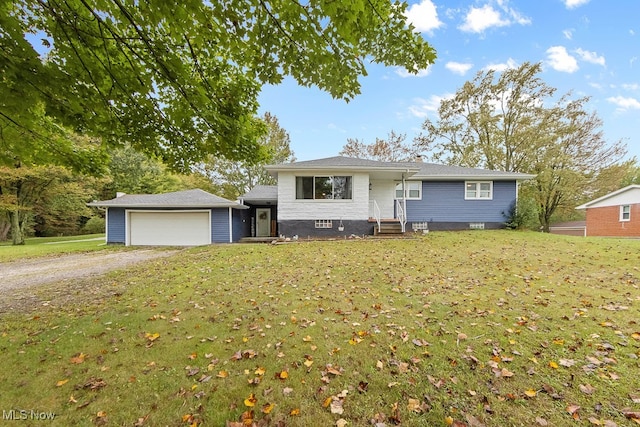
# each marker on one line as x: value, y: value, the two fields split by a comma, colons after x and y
x: 196, y: 198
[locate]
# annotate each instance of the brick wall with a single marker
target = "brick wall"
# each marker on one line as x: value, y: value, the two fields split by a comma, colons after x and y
x: 605, y: 221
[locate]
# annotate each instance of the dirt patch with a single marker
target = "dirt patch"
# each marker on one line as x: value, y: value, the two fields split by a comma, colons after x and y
x: 22, y: 282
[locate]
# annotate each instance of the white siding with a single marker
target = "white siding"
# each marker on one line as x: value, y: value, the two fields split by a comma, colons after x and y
x: 291, y: 209
x: 629, y: 197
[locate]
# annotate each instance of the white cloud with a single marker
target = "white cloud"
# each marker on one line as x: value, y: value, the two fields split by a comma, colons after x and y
x: 404, y: 73
x: 625, y: 103
x: 479, y: 19
x: 560, y: 60
x: 424, y: 16
x: 572, y: 4
x: 458, y: 67
x: 568, y: 34
x: 422, y: 108
x: 630, y: 86
x: 591, y: 57
x: 509, y: 65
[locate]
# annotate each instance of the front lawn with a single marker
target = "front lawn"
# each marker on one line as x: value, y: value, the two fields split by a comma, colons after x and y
x: 490, y: 328
x: 43, y: 246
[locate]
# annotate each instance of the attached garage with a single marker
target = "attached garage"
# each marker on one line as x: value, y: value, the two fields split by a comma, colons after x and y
x: 166, y: 228
x: 183, y: 218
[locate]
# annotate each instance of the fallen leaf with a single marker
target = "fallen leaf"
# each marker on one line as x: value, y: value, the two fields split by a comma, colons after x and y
x: 553, y: 365
x: 341, y: 423
x: 586, y: 388
x: 62, y: 382
x: 567, y: 363
x: 78, y: 358
x: 250, y: 401
x: 295, y: 412
x: 542, y: 422
x: 531, y: 393
x: 267, y: 408
x: 573, y: 411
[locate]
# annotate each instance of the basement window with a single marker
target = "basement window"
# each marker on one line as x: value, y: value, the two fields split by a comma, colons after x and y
x: 324, y: 223
x: 476, y: 226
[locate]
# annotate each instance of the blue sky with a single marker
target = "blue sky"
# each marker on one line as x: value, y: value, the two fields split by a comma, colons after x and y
x: 588, y: 47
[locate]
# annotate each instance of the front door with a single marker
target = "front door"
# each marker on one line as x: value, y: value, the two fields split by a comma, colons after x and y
x: 263, y: 222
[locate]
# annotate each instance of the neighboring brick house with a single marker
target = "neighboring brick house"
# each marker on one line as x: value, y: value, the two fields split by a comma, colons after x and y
x: 616, y: 214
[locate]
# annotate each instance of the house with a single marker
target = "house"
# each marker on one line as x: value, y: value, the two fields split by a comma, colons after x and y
x: 262, y: 201
x: 341, y: 196
x: 182, y: 218
x: 616, y: 214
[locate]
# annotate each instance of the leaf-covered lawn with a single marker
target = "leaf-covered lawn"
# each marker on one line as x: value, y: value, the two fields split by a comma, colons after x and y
x: 464, y: 329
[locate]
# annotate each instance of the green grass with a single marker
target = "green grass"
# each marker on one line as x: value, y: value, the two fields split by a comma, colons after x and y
x: 43, y: 246
x: 487, y: 328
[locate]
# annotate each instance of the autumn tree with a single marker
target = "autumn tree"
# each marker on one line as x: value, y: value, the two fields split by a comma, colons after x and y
x: 234, y: 178
x: 32, y: 161
x: 20, y: 189
x: 133, y: 172
x: 181, y: 79
x: 513, y: 122
x: 392, y: 149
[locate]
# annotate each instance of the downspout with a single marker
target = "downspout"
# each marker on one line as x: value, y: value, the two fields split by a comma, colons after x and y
x: 230, y: 224
x: 404, y: 203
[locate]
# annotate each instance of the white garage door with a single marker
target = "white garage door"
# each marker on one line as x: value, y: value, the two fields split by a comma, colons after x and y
x: 169, y: 228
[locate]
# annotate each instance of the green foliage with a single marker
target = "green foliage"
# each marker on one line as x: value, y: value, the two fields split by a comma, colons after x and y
x: 180, y: 80
x: 513, y: 123
x: 21, y: 188
x: 234, y: 178
x: 94, y: 225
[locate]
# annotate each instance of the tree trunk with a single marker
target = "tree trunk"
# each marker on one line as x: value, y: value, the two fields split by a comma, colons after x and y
x: 5, y: 226
x: 17, y: 231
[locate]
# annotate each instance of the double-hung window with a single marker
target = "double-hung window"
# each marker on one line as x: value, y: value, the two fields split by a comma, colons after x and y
x: 324, y: 187
x: 478, y: 190
x: 412, y: 190
x: 625, y: 212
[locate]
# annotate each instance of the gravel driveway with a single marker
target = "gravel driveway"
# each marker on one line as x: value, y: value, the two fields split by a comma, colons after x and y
x: 21, y: 281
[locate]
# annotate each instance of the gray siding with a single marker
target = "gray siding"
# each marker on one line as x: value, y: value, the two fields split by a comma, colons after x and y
x: 116, y: 225
x: 444, y: 202
x: 220, y: 225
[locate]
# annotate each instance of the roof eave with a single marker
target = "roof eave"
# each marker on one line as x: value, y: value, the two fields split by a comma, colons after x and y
x: 155, y: 206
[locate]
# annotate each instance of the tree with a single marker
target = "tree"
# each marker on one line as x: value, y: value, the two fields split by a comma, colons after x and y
x: 181, y: 79
x: 392, y: 149
x: 514, y: 124
x: 21, y: 188
x: 234, y: 178
x: 133, y: 172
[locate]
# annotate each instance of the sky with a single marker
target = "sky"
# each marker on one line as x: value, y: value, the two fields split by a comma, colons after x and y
x: 586, y: 47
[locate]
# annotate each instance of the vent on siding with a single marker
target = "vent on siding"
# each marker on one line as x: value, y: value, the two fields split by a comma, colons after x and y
x: 476, y: 225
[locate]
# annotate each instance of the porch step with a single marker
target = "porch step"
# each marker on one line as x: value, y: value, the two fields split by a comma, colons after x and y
x: 388, y: 228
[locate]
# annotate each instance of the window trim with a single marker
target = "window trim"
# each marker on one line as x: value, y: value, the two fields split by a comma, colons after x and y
x: 477, y: 184
x: 313, y: 187
x: 622, y: 213
x: 407, y: 190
